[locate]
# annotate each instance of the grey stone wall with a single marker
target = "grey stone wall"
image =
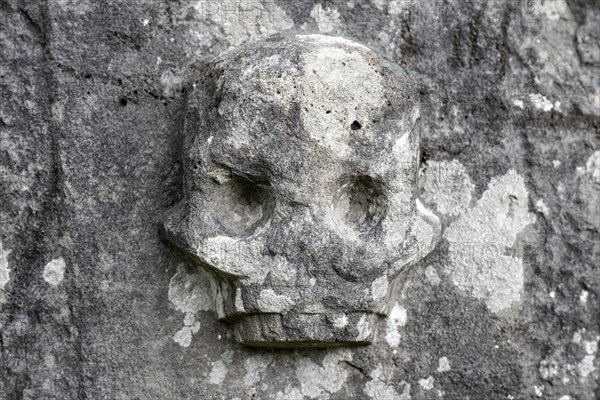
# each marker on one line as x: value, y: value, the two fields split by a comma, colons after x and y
x: 94, y: 305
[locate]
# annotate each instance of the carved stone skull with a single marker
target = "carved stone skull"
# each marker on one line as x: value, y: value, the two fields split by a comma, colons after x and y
x: 300, y: 160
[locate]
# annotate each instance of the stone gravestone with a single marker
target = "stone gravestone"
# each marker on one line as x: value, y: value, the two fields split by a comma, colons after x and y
x: 173, y: 209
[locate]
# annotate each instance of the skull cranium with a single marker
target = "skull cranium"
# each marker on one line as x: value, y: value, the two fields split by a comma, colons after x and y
x: 300, y: 162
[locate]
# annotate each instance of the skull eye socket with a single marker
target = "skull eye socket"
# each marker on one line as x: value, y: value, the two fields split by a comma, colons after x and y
x: 359, y: 203
x: 241, y: 206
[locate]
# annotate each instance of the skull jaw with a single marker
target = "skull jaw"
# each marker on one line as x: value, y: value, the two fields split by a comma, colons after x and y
x: 305, y: 330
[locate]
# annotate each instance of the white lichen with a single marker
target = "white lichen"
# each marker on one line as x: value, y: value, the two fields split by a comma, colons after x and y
x: 4, y: 271
x: 395, y: 321
x: 340, y: 321
x: 540, y: 102
x: 190, y: 293
x: 318, y: 382
x: 592, y: 166
x: 540, y: 206
x: 443, y: 364
x: 586, y: 365
x: 183, y: 337
x: 378, y: 387
x: 289, y: 393
x: 218, y: 373
x: 255, y: 366
x: 481, y: 260
x: 427, y: 383
x: 583, y: 296
x: 519, y: 103
x: 54, y: 271
x: 446, y: 186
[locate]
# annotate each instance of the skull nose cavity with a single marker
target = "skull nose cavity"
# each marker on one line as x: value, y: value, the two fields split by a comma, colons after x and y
x: 359, y: 203
x: 241, y: 206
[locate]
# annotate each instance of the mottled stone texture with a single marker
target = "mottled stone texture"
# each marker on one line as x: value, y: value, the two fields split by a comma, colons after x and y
x: 300, y: 160
x: 94, y: 305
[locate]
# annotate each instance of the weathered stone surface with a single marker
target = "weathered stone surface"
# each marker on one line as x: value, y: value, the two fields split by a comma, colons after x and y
x: 90, y: 132
x: 300, y: 160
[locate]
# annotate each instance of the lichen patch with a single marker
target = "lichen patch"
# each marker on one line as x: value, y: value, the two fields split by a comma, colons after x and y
x: 482, y: 243
x: 379, y: 387
x: 395, y: 321
x: 443, y: 365
x: 319, y: 382
x: 4, y: 271
x: 446, y: 186
x: 54, y: 271
x: 190, y: 293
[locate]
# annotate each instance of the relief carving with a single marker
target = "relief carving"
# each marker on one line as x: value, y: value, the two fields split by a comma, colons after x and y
x: 300, y: 159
